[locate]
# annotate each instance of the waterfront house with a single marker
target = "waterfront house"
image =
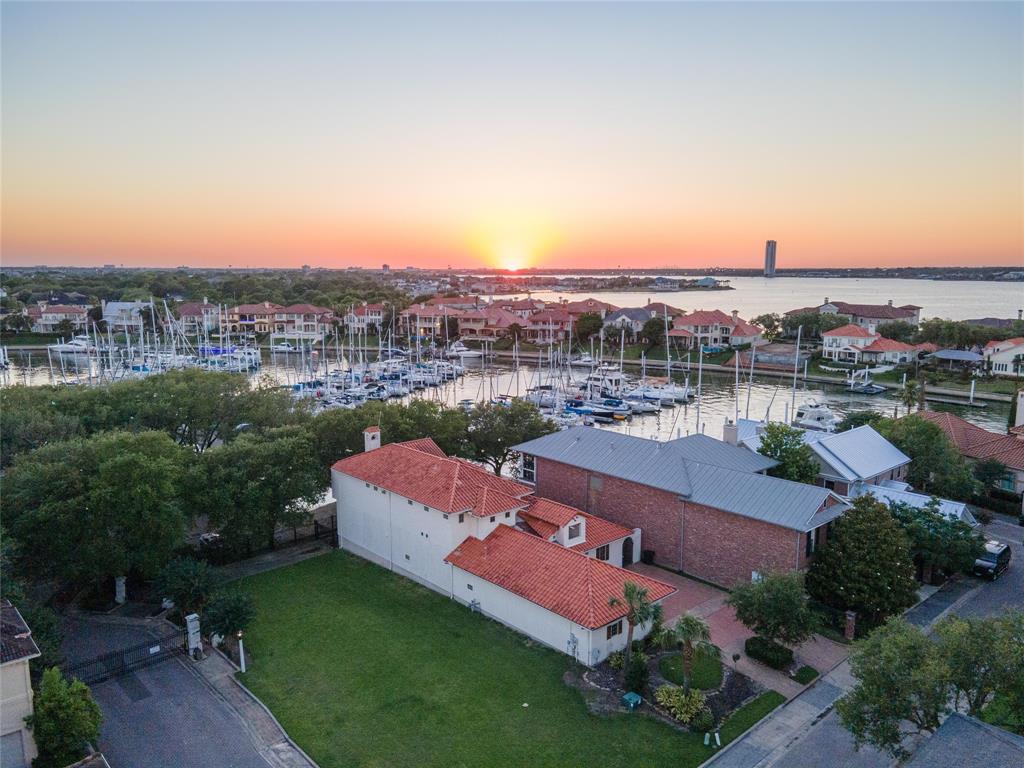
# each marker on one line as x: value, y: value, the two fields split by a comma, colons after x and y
x: 1005, y: 358
x: 845, y: 459
x: 549, y: 326
x: 588, y: 307
x: 628, y: 319
x: 365, y: 317
x: 845, y: 343
x: 868, y: 316
x: 428, y: 321
x: 197, y: 317
x: 487, y: 323
x: 52, y: 316
x: 713, y: 328
x: 17, y: 649
x: 253, y: 318
x: 455, y: 302
x: 890, y: 351
x: 124, y: 315
x: 661, y: 309
x: 521, y: 308
x: 303, y: 321
x: 977, y: 444
x: 541, y: 567
x: 703, y: 507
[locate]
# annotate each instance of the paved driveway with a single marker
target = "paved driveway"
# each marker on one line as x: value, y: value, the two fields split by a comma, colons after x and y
x: 1008, y: 590
x: 162, y: 715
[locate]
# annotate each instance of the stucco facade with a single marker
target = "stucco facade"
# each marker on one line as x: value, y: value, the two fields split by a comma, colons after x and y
x: 18, y: 747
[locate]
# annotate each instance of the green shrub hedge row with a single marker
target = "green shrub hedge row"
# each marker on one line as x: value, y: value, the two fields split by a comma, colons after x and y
x: 769, y: 652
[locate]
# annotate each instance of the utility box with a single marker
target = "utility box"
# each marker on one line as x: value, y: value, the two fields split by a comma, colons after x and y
x: 195, y: 640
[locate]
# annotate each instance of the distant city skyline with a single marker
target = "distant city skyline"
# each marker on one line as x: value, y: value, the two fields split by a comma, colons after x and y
x: 512, y: 135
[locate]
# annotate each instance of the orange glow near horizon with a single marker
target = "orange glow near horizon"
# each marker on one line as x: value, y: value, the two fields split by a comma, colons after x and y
x: 512, y: 135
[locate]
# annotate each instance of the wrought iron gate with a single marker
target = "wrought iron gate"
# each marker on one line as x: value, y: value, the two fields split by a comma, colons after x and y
x: 125, y: 660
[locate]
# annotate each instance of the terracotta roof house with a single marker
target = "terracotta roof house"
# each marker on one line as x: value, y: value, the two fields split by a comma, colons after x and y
x: 714, y: 328
x: 197, y: 316
x: 523, y: 308
x: 1005, y: 358
x: 51, y: 317
x: 17, y: 649
x: 660, y: 309
x: 487, y: 541
x: 588, y: 307
x: 885, y: 350
x: 979, y: 444
x: 253, y: 318
x: 867, y: 315
x: 548, y: 326
x: 428, y: 321
x: 455, y: 302
x: 489, y: 322
x: 703, y: 507
x: 364, y: 316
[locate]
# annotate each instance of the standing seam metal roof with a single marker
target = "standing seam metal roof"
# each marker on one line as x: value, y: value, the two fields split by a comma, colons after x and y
x: 698, y: 468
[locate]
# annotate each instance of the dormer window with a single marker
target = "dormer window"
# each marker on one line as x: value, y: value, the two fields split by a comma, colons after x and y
x: 574, y: 530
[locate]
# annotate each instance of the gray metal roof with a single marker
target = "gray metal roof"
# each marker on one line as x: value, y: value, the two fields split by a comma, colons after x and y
x: 957, y: 355
x: 964, y: 742
x: 637, y: 314
x: 697, y: 468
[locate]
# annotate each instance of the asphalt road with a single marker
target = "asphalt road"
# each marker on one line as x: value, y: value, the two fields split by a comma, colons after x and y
x: 1007, y: 591
x: 161, y: 716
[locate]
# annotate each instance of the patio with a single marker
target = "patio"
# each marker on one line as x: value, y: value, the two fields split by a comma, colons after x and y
x: 729, y: 634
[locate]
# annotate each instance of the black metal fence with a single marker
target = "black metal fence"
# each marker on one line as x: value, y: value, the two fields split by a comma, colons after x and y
x: 125, y: 660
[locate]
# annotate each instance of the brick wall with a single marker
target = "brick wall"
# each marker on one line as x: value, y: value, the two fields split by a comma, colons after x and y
x: 717, y: 546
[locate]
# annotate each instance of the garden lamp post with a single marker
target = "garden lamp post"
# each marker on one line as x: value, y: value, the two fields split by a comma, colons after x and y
x: 241, y: 651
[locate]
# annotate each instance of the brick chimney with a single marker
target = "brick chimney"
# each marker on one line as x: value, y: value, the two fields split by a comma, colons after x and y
x: 371, y: 438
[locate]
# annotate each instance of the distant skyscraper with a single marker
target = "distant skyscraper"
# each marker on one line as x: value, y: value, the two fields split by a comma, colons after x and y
x: 769, y: 258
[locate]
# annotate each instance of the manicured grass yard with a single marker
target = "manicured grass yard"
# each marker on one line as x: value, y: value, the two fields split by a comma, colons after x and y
x: 707, y: 671
x: 365, y: 668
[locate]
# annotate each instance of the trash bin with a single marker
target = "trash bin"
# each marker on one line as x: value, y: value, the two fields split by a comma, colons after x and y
x: 631, y: 701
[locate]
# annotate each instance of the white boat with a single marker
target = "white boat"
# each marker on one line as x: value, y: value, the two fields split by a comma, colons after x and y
x: 77, y: 345
x: 583, y: 359
x: 459, y: 350
x: 284, y: 347
x: 604, y: 380
x: 816, y: 415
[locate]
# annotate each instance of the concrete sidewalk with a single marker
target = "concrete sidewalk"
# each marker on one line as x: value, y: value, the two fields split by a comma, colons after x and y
x: 278, y: 558
x: 805, y: 731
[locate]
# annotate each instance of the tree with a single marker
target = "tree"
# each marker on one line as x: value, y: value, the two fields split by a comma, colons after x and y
x: 855, y: 419
x: 259, y: 482
x: 989, y: 472
x: 909, y: 394
x: 984, y: 657
x: 775, y: 607
x: 47, y: 631
x: 693, y: 638
x: 901, y: 682
x: 653, y: 333
x: 229, y: 613
x: 587, y: 325
x: 899, y: 330
x: 65, y: 328
x: 865, y: 565
x: 188, y: 582
x: 786, y: 445
x: 515, y: 331
x: 64, y: 718
x: 937, y: 541
x: 936, y: 466
x: 95, y: 508
x: 494, y: 428
x: 770, y: 324
x: 639, y: 610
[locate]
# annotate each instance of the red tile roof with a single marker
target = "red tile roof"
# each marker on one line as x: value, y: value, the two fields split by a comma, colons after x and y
x: 882, y: 344
x: 875, y: 311
x: 440, y: 301
x: 660, y: 309
x: 926, y: 346
x: 195, y: 309
x: 257, y: 309
x: 364, y: 309
x: 563, y: 581
x: 743, y: 328
x: 601, y: 532
x: 65, y: 309
x: 548, y: 316
x: 680, y: 332
x: 306, y: 309
x: 419, y: 473
x: 584, y: 306
x: 852, y: 330
x: 424, y: 310
x: 424, y: 444
x: 552, y: 512
x: 1006, y: 344
x: 976, y: 443
x: 704, y: 317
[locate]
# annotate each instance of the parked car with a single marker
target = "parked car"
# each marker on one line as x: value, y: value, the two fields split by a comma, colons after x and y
x: 994, y: 561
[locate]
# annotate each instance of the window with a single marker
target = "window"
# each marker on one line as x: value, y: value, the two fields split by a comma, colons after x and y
x: 462, y: 517
x: 445, y: 515
x: 410, y: 502
x: 602, y: 552
x: 574, y: 531
x: 830, y: 484
x: 469, y: 587
x: 809, y: 544
x: 508, y: 514
x: 614, y: 629
x: 366, y: 484
x: 492, y: 518
x: 427, y: 509
x: 529, y: 469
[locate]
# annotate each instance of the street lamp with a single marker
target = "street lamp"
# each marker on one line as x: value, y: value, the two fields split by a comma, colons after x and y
x: 241, y: 651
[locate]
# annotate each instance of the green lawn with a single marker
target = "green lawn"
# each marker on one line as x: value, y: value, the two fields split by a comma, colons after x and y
x: 707, y: 671
x: 365, y: 668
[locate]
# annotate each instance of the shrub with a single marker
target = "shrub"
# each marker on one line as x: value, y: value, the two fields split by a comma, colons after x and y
x: 186, y: 581
x: 616, y: 659
x: 684, y: 707
x: 704, y: 721
x: 767, y: 652
x: 638, y: 674
x: 228, y: 613
x: 805, y: 674
x: 65, y: 717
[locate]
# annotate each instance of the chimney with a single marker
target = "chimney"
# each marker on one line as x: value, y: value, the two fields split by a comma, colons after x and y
x: 890, y: 302
x: 371, y: 439
x: 735, y: 314
x: 1020, y: 314
x: 731, y: 432
x: 826, y: 299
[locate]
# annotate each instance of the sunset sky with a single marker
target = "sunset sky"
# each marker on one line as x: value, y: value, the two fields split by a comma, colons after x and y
x: 575, y: 135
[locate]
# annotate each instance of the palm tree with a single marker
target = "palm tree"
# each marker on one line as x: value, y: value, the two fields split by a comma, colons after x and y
x: 693, y: 638
x: 639, y: 610
x: 909, y: 394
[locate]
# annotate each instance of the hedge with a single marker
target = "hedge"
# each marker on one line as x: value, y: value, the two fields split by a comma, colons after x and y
x: 1011, y: 508
x: 769, y: 652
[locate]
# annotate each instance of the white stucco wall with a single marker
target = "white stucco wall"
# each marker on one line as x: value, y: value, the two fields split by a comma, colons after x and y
x: 16, y: 704
x: 615, y: 549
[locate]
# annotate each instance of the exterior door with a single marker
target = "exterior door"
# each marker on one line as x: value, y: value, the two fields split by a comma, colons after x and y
x: 627, y: 552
